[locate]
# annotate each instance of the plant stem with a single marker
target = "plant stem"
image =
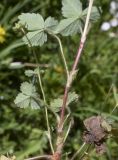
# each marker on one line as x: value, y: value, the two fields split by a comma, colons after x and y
x: 62, y: 52
x: 72, y: 73
x: 43, y: 93
x: 75, y: 155
x: 47, y: 157
x: 68, y: 130
x: 46, y: 111
x: 60, y: 141
x: 35, y: 65
x: 86, y: 153
x: 114, y: 108
x: 115, y: 97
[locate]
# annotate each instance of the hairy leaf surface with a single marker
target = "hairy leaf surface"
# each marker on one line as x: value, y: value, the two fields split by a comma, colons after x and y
x: 95, y: 15
x: 32, y: 21
x: 57, y: 103
x: 51, y: 23
x: 35, y: 38
x: 36, y: 28
x: 74, y: 17
x: 28, y: 96
x: 71, y: 8
x: 29, y: 73
x: 69, y: 26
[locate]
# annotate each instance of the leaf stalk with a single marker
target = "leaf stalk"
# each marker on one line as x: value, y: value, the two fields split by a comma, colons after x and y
x: 43, y: 93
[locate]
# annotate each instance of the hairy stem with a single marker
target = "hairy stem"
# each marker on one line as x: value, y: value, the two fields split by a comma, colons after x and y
x: 72, y: 73
x: 60, y: 139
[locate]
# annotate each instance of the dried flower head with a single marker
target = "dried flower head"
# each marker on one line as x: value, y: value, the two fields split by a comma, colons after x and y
x: 97, y: 130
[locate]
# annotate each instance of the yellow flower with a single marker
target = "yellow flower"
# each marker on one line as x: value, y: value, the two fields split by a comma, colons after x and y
x: 2, y: 34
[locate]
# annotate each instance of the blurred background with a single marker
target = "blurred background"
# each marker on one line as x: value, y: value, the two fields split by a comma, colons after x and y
x: 21, y: 131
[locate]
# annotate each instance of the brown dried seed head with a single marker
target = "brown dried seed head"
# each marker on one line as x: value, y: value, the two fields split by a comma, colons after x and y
x: 96, y: 132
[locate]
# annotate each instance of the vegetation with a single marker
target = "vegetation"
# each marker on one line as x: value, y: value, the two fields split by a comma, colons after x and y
x: 93, y: 92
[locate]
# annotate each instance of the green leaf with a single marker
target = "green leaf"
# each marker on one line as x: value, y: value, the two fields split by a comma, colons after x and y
x: 71, y: 8
x: 29, y: 73
x: 36, y: 28
x: 28, y: 96
x: 75, y: 16
x: 35, y: 25
x: 31, y: 21
x: 51, y: 23
x: 22, y: 100
x: 95, y: 15
x: 36, y: 38
x: 27, y: 88
x: 72, y: 97
x: 69, y: 26
x: 57, y: 103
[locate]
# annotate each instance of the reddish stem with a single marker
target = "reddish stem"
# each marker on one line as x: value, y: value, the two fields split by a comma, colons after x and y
x: 78, y: 56
x: 67, y: 88
x: 60, y: 139
x: 65, y: 97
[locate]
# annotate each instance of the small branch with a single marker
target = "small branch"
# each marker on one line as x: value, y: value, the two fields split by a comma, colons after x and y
x: 36, y: 65
x: 46, y: 157
x: 42, y: 90
x: 68, y: 130
x: 62, y: 52
x: 80, y: 149
x: 86, y: 152
x: 40, y: 82
x: 46, y: 112
x: 115, y: 97
x: 114, y: 108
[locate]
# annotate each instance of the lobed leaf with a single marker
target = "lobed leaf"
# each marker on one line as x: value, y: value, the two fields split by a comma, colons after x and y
x: 72, y: 97
x: 57, y: 103
x: 31, y: 21
x: 69, y: 26
x: 75, y: 16
x: 71, y: 8
x: 36, y: 27
x: 29, y: 73
x: 28, y: 97
x: 95, y: 15
x: 36, y: 38
x: 27, y: 88
x: 51, y: 23
x: 22, y: 100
